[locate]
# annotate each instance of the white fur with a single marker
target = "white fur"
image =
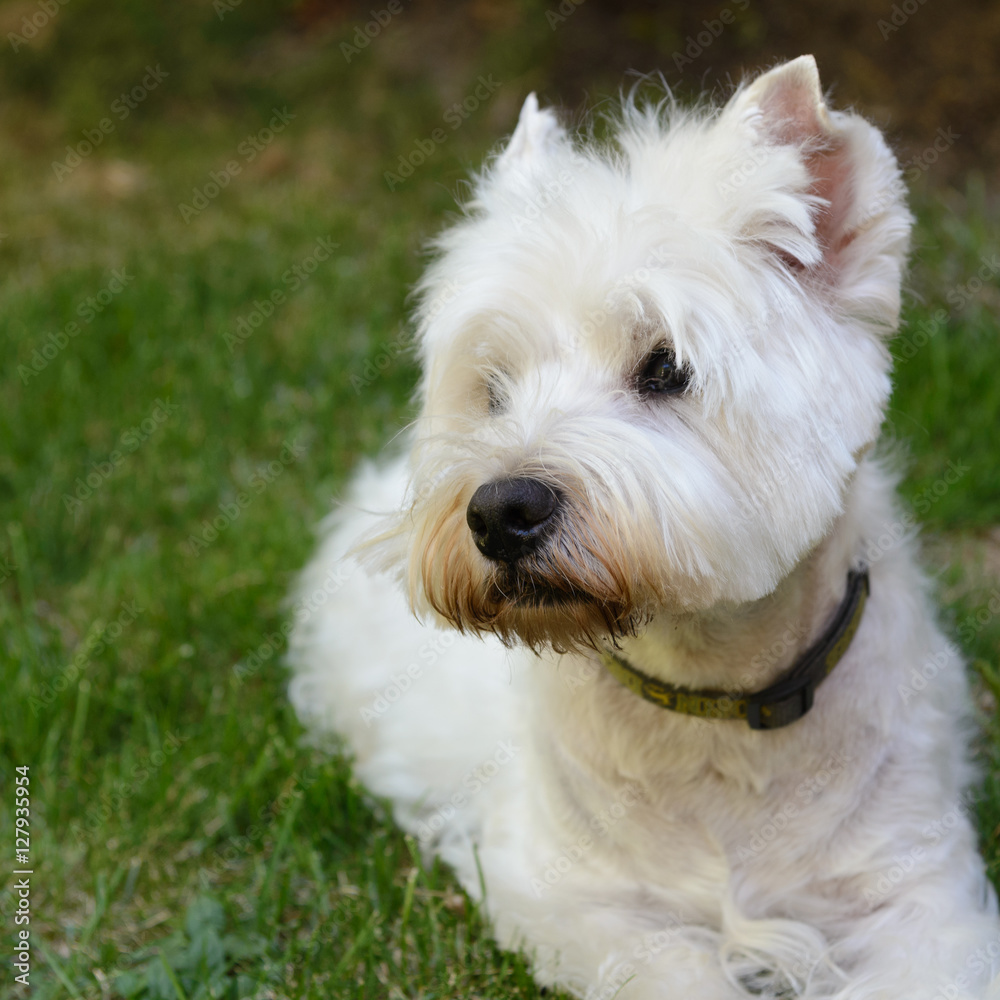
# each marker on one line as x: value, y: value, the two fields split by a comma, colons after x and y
x: 623, y: 846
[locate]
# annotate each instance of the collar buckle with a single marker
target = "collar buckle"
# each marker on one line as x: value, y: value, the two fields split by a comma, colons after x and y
x: 775, y: 714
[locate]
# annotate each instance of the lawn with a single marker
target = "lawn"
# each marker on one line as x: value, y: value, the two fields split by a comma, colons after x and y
x: 179, y: 411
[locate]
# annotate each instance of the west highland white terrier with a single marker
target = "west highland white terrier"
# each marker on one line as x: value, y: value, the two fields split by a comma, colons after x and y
x: 677, y: 693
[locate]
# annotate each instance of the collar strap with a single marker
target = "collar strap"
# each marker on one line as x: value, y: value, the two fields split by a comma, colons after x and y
x: 780, y: 704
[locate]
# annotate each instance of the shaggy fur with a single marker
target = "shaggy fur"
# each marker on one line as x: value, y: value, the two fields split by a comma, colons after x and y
x: 708, y: 534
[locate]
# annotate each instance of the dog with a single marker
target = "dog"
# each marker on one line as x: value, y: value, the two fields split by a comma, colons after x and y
x: 674, y: 704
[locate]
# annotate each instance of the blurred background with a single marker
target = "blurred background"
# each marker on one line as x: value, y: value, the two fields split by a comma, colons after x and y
x: 211, y: 214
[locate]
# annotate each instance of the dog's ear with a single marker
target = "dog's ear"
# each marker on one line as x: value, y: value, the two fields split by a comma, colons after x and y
x: 538, y: 133
x: 785, y: 108
x: 790, y: 102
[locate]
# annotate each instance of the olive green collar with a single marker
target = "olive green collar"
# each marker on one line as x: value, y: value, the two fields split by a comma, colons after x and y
x: 779, y: 704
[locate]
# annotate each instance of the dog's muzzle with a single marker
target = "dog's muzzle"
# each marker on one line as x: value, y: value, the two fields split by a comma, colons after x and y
x: 509, y: 517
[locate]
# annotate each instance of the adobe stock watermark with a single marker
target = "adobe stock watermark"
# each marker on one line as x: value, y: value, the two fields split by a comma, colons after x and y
x: 919, y: 164
x: 899, y: 14
x: 629, y: 283
x: 403, y: 680
x: 131, y: 440
x: 695, y: 45
x: 309, y: 603
x: 302, y: 610
x: 907, y: 345
x: 555, y: 16
x: 979, y: 962
x: 752, y: 503
x: 224, y: 7
x: 88, y: 310
x: 101, y: 636
x: 366, y: 33
x: 247, y: 151
x: 910, y: 171
x: 651, y: 944
x: 922, y: 676
x: 30, y: 26
x: 749, y: 165
x: 453, y: 117
x: 388, y: 353
x: 806, y: 793
x: 236, y: 846
x: 906, y: 862
x: 229, y: 511
x: 121, y: 107
x: 973, y: 624
x: 377, y: 365
x: 626, y: 283
x: 270, y: 646
x: 905, y: 525
x: 109, y: 802
x: 291, y: 281
x: 472, y: 783
x: 601, y: 824
x: 961, y: 296
x: 542, y: 200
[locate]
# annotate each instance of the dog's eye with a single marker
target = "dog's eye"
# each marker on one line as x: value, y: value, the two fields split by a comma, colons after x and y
x: 661, y: 374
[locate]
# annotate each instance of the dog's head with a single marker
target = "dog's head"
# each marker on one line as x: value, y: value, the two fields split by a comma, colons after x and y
x: 650, y: 369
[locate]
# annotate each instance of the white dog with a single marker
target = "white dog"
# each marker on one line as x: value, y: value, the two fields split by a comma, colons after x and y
x: 679, y: 692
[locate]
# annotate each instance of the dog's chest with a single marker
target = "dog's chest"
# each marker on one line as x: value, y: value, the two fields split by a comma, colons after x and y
x: 709, y: 793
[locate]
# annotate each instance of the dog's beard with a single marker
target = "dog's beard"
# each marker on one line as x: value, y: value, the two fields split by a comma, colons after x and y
x: 578, y: 589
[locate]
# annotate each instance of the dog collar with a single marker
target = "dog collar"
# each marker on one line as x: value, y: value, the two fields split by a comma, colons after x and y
x: 780, y: 704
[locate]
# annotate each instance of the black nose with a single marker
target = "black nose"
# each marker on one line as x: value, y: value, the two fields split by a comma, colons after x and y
x: 508, y: 517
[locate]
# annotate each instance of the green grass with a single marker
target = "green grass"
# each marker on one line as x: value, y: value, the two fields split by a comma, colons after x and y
x: 185, y: 841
